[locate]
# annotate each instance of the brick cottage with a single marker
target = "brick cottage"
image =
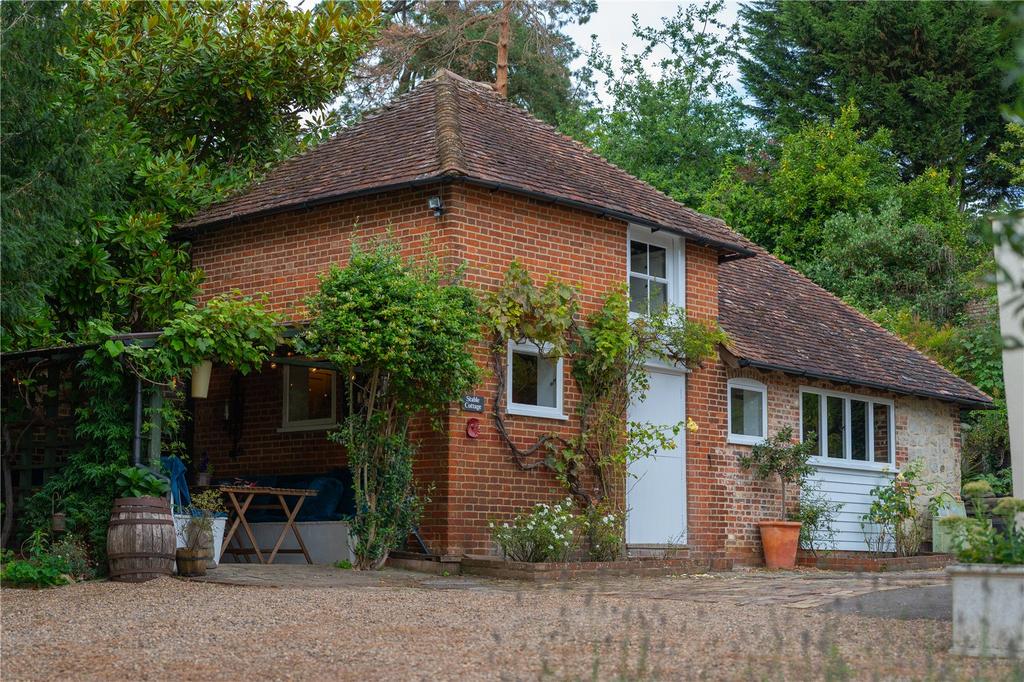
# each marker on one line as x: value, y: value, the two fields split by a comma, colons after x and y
x: 453, y: 170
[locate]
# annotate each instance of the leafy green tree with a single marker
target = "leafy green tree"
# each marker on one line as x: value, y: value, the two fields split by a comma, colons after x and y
x: 929, y: 72
x: 783, y: 197
x: 186, y: 102
x: 50, y: 176
x: 676, y: 125
x: 421, y: 37
x: 884, y: 258
x: 402, y: 333
x: 174, y: 105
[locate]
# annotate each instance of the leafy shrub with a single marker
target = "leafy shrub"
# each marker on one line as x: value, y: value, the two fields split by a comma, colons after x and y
x: 387, y: 506
x: 977, y: 540
x: 73, y: 551
x: 47, y: 564
x: 210, y: 500
x: 605, y: 529
x: 894, y: 513
x: 545, y: 533
x: 401, y: 331
x: 138, y: 482
x: 817, y: 513
x: 1001, y: 482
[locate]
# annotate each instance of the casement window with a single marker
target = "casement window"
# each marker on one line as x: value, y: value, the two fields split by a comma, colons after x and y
x: 850, y: 428
x: 656, y: 271
x: 533, y: 382
x: 747, y: 404
x: 310, y: 398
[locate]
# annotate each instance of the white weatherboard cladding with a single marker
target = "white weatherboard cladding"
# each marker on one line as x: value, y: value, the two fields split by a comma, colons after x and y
x: 656, y: 487
x: 851, y: 487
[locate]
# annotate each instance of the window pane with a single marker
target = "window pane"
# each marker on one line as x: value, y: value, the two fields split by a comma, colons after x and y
x: 747, y: 417
x: 534, y: 380
x: 638, y: 295
x: 883, y: 433
x: 834, y: 426
x: 309, y: 394
x: 547, y: 382
x: 638, y: 257
x: 859, y: 430
x: 659, y: 296
x: 524, y: 378
x: 812, y: 420
x: 657, y: 261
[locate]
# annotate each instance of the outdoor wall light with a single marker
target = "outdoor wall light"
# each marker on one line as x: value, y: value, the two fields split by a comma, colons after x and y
x: 436, y: 205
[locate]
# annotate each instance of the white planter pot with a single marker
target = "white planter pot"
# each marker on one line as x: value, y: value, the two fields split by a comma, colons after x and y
x: 988, y: 610
x: 219, y: 523
x: 201, y: 379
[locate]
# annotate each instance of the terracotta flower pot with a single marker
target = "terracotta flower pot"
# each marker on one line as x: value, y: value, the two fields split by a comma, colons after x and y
x: 780, y: 540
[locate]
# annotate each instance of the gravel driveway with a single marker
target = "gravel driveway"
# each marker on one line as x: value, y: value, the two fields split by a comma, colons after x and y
x: 404, y: 627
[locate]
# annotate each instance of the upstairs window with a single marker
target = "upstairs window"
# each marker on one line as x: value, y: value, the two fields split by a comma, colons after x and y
x: 747, y: 404
x: 851, y: 428
x: 534, y: 382
x: 648, y: 277
x: 656, y: 270
x: 310, y: 398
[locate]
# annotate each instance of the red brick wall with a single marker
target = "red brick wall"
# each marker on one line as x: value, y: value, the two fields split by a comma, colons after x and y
x: 490, y: 230
x: 473, y: 481
x: 752, y: 501
x: 708, y: 467
x: 281, y: 256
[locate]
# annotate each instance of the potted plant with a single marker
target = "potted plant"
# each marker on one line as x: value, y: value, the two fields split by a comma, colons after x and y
x: 208, y: 505
x: 785, y: 459
x: 196, y: 537
x: 204, y: 472
x: 988, y: 608
x: 140, y: 535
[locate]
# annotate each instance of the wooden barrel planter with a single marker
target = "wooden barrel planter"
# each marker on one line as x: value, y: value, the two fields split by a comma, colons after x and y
x: 141, y: 539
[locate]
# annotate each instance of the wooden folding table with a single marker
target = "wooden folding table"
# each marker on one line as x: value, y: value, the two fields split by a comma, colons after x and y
x: 240, y: 499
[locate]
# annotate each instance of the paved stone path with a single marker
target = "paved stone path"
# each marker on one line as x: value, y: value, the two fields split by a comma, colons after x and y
x: 801, y: 589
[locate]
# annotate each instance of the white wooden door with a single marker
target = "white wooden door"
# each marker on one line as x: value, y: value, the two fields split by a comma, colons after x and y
x: 656, y: 486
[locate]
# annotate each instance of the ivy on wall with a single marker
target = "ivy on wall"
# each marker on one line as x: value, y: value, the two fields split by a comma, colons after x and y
x: 609, y: 352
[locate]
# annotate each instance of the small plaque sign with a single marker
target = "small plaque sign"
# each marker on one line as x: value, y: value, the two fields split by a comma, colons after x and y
x: 473, y: 403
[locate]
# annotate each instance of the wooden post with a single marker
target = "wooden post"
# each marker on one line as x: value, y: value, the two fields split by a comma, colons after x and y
x: 504, y: 37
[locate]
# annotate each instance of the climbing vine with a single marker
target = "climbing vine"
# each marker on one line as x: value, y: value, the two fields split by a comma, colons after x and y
x: 609, y: 352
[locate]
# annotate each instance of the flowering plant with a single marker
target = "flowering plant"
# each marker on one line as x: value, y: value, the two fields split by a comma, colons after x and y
x: 545, y: 533
x: 605, y: 533
x: 894, y: 516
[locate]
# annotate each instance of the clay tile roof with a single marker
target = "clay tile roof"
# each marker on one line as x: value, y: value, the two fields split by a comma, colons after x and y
x: 778, y: 319
x: 449, y: 127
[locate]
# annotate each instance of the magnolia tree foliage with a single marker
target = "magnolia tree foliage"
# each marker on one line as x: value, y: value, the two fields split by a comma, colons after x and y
x: 609, y: 351
x: 130, y: 117
x: 401, y: 333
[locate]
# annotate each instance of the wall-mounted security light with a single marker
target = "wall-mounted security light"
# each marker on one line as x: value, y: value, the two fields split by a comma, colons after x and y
x: 436, y: 205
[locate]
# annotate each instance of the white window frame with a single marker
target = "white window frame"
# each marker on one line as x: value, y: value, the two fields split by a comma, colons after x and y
x: 530, y: 348
x: 307, y: 424
x: 746, y: 385
x: 675, y: 262
x: 846, y: 461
